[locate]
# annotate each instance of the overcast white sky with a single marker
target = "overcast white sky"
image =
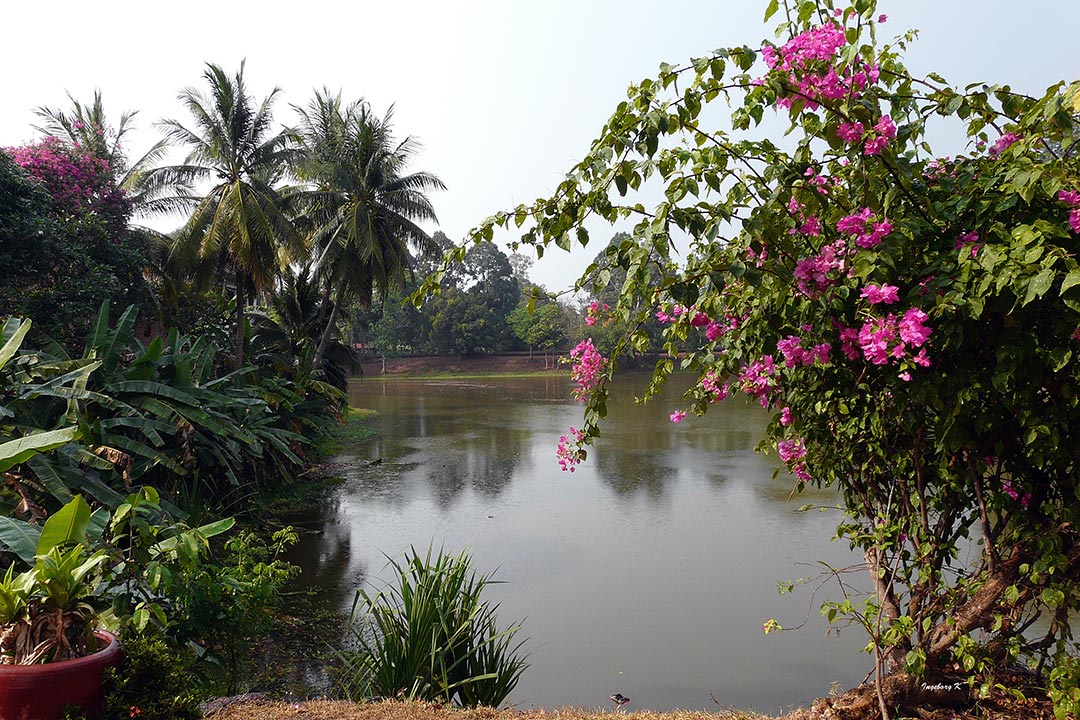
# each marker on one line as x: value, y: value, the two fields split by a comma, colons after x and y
x: 505, y: 96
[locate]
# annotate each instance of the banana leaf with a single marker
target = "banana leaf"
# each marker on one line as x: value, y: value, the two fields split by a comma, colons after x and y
x: 20, y: 450
x: 19, y: 537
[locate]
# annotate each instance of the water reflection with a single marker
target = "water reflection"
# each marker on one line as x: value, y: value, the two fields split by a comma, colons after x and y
x: 648, y: 571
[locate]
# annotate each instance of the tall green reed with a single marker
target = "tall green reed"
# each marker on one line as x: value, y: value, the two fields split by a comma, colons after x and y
x: 428, y: 635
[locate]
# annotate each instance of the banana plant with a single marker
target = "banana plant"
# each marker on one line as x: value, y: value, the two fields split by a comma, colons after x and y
x: 32, y: 395
x: 127, y: 414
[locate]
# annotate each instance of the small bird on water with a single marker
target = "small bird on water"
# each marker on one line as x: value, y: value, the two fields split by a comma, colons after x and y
x: 619, y: 699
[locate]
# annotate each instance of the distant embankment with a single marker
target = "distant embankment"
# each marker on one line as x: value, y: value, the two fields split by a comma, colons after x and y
x: 456, y: 364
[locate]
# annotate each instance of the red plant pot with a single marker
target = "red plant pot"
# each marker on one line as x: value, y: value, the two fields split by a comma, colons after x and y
x: 41, y: 692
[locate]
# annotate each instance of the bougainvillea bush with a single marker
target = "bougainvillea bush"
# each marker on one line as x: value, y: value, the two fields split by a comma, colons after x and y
x: 66, y: 241
x: 910, y: 320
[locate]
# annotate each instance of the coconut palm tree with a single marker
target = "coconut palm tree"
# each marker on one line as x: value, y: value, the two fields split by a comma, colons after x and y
x: 363, y: 210
x: 238, y: 232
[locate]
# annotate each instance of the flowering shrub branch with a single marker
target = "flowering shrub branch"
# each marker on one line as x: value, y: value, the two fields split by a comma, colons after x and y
x: 910, y: 321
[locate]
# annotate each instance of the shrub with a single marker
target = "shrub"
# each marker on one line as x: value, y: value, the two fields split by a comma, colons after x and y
x: 152, y: 682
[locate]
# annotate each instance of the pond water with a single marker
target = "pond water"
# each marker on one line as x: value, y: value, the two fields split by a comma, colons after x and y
x: 649, y: 571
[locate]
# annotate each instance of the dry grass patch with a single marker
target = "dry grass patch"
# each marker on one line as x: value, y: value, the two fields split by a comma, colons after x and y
x: 339, y: 710
x: 999, y: 709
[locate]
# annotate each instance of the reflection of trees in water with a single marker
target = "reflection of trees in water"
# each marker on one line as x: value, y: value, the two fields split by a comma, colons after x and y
x: 641, y: 450
x: 446, y: 478
x: 632, y: 471
x: 484, y: 460
x: 473, y: 434
x: 325, y: 555
x: 398, y: 393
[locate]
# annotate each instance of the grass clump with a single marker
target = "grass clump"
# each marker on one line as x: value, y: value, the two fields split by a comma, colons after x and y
x: 429, y: 635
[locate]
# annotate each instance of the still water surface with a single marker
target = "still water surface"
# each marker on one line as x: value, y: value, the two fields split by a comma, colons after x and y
x: 649, y: 571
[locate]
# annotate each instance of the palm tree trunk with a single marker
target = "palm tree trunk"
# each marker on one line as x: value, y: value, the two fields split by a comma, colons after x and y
x: 324, y: 304
x: 238, y: 329
x: 324, y: 341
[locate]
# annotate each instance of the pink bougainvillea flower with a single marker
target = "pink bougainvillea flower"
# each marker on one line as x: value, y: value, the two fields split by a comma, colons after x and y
x: 809, y: 63
x: 758, y: 379
x: 876, y: 337
x: 811, y: 228
x: 588, y: 364
x: 867, y: 234
x: 875, y: 145
x: 887, y: 294
x: 791, y: 449
x: 972, y: 239
x: 569, y: 453
x: 710, y: 383
x: 885, y: 127
x: 849, y: 343
x: 677, y: 416
x: 699, y: 319
x: 1008, y: 489
x: 849, y: 132
x: 1071, y: 197
x: 912, y: 330
x: 855, y: 223
x: 1003, y: 143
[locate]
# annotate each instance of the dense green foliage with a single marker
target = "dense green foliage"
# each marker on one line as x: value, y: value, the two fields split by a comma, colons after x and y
x: 484, y: 305
x: 910, y: 320
x: 229, y: 603
x: 430, y: 636
x: 162, y: 416
x: 164, y: 431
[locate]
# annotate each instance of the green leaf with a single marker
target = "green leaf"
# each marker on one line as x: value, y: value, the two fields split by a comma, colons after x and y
x: 19, y: 537
x: 13, y: 343
x: 20, y: 450
x: 1073, y: 278
x: 1039, y: 285
x: 99, y: 331
x: 99, y: 520
x: 67, y: 525
x: 47, y: 474
x: 120, y: 338
x: 216, y: 528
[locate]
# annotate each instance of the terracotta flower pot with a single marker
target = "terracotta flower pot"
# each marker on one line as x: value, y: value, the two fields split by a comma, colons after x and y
x: 41, y: 692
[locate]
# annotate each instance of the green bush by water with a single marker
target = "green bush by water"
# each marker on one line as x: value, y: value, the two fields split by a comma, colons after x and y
x: 430, y: 636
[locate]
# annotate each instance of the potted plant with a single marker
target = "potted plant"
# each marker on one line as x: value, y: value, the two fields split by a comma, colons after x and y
x: 52, y: 653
